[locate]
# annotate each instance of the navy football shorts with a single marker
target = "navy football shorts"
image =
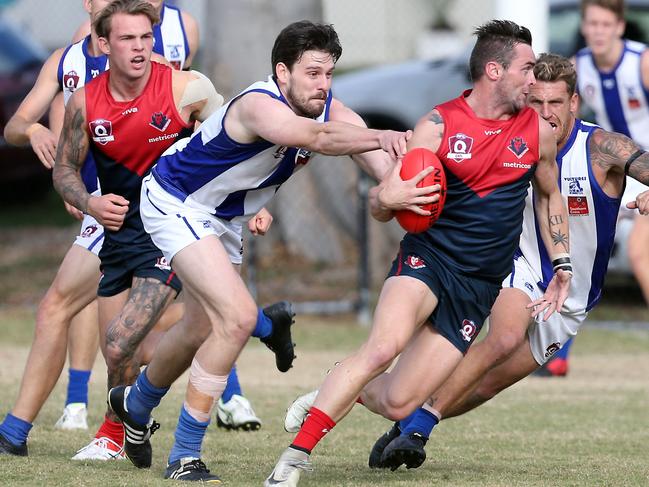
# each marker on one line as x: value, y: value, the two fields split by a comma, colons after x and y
x: 121, y: 263
x: 464, y: 302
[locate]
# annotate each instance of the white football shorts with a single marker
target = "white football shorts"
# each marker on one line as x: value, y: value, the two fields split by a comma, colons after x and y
x: 91, y: 235
x: 174, y: 226
x: 546, y: 337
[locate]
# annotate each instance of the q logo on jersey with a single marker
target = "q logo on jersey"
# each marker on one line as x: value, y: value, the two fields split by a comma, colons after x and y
x: 160, y: 121
x: 459, y: 147
x: 71, y: 80
x: 102, y: 131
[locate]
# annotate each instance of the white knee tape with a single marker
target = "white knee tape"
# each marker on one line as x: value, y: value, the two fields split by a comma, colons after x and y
x: 206, y: 383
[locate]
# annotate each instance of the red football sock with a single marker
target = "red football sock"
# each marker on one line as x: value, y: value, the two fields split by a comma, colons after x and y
x: 111, y: 429
x: 316, y: 425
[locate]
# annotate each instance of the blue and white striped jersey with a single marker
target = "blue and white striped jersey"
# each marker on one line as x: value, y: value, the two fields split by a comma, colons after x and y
x: 618, y: 98
x: 77, y: 67
x: 592, y: 216
x: 211, y: 172
x: 170, y: 40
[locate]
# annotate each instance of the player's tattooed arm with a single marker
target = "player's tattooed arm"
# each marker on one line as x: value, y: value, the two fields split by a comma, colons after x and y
x: 560, y: 240
x: 611, y: 151
x: 71, y: 154
x: 428, y: 132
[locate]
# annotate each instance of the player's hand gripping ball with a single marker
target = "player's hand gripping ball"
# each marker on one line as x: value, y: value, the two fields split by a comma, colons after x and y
x: 412, y: 164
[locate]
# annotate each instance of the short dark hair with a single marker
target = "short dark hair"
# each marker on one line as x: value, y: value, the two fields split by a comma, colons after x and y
x: 615, y: 6
x: 302, y: 36
x: 103, y: 22
x: 496, y: 42
x: 553, y: 67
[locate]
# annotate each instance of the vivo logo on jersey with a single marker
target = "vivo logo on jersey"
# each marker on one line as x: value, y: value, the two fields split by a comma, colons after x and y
x: 102, y: 131
x: 128, y: 111
x: 492, y: 132
x: 71, y: 80
x: 459, y: 147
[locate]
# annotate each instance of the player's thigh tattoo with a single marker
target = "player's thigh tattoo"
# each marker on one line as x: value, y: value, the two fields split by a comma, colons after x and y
x: 146, y: 302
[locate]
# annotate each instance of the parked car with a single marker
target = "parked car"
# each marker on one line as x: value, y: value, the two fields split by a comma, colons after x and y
x: 396, y: 96
x: 22, y: 176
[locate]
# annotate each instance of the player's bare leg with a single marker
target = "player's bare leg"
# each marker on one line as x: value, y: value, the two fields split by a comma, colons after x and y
x: 74, y: 286
x: 507, y: 333
x: 518, y: 366
x: 638, y: 247
x: 412, y: 380
x: 508, y: 324
x: 83, y: 344
x: 125, y: 319
x: 404, y: 304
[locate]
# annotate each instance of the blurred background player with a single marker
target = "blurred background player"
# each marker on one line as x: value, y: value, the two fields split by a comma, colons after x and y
x: 613, y: 79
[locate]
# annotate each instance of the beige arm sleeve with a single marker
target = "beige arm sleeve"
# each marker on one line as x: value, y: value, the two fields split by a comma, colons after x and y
x: 201, y: 89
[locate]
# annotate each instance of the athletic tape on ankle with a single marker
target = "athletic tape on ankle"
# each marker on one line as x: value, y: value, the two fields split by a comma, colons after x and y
x: 200, y: 416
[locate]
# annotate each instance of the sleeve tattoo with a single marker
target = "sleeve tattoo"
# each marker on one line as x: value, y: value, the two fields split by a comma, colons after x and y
x: 609, y: 149
x: 70, y: 157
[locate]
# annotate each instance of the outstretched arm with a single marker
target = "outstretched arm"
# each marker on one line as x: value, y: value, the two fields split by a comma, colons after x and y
x: 257, y: 116
x: 553, y: 222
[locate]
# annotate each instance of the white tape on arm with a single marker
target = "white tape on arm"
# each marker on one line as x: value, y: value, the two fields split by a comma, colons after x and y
x: 201, y: 89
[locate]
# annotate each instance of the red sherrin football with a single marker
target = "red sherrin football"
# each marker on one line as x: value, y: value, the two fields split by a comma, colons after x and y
x: 412, y: 164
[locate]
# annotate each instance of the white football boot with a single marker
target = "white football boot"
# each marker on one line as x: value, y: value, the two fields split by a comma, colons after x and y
x: 296, y: 412
x: 288, y: 468
x: 102, y: 449
x: 237, y: 414
x: 75, y: 417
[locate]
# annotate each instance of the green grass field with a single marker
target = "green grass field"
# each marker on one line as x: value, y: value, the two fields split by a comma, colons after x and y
x: 587, y: 429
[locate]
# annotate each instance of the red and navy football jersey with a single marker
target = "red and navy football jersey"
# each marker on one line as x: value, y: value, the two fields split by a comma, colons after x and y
x: 127, y: 138
x: 488, y: 165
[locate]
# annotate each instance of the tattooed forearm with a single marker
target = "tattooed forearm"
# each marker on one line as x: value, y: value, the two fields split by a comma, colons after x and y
x: 561, y: 239
x: 556, y: 220
x: 610, y: 149
x: 70, y: 157
x: 639, y: 168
